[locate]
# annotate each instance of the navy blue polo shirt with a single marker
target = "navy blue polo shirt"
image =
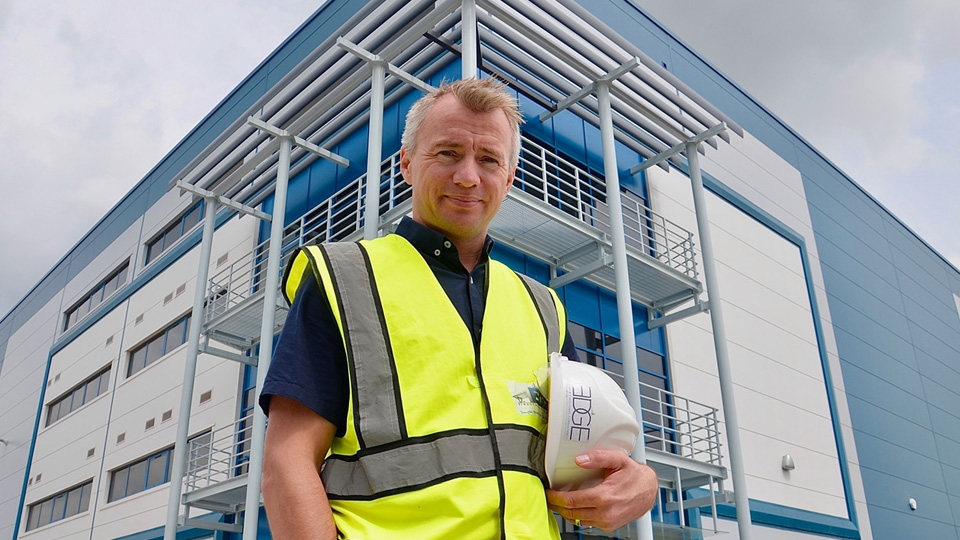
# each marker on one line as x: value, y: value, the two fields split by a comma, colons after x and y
x: 309, y: 364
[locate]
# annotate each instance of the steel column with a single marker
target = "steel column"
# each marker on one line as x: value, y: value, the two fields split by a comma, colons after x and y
x: 720, y: 344
x: 631, y: 378
x: 251, y: 517
x: 190, y: 371
x: 468, y: 40
x: 371, y: 211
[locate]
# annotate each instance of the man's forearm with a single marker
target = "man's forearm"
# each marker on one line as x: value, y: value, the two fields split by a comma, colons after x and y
x: 296, y: 503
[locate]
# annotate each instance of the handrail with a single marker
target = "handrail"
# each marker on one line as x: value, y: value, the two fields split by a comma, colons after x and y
x: 542, y: 174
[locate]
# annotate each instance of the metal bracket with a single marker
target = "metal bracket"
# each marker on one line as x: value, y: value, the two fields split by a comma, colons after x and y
x: 303, y: 143
x: 229, y: 203
x: 371, y: 58
x: 699, y: 307
x: 677, y: 148
x: 605, y: 259
x: 213, y: 525
x: 591, y: 88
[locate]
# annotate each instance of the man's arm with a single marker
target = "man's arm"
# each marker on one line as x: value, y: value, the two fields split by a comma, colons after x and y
x: 296, y: 443
x: 627, y: 492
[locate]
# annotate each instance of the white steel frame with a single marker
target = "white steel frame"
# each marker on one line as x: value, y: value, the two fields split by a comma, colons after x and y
x: 553, y: 51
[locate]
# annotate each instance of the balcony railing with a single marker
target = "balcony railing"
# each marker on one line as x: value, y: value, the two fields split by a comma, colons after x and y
x: 547, y: 178
x: 220, y: 457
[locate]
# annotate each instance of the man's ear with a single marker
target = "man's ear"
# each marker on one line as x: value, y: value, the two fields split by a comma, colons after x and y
x: 405, y: 164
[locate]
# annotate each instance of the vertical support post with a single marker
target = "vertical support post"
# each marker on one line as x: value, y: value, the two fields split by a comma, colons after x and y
x: 720, y: 344
x: 628, y: 340
x: 468, y: 40
x: 190, y: 371
x: 251, y: 518
x: 371, y: 212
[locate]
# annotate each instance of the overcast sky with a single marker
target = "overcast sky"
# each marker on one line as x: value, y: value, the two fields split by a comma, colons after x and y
x: 94, y: 93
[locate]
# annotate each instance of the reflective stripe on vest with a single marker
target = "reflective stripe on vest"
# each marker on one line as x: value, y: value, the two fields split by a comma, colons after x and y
x: 375, y: 383
x: 367, y: 476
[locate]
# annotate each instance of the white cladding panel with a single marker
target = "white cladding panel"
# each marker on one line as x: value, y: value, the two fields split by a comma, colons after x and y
x: 779, y: 383
x: 24, y: 363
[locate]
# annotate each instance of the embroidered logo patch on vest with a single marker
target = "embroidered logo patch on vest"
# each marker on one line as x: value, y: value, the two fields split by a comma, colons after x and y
x: 528, y: 399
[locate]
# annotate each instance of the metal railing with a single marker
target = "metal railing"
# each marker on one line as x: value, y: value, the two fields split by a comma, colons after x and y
x: 220, y: 457
x: 544, y: 175
x: 565, y: 185
x: 678, y: 425
x: 681, y: 426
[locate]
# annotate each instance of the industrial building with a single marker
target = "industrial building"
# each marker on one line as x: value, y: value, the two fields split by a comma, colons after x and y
x: 793, y: 347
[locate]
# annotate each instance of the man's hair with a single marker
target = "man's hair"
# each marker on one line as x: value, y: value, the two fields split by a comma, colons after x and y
x: 478, y: 95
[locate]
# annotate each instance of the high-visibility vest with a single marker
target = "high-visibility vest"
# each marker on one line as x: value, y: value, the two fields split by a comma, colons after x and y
x: 444, y: 437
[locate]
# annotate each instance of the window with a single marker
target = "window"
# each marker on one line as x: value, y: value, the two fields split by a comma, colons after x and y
x: 173, y: 232
x: 103, y: 290
x: 79, y: 395
x: 147, y: 472
x: 169, y: 339
x: 60, y: 506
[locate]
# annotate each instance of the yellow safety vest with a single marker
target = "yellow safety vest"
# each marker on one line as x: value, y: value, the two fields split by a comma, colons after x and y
x: 444, y: 438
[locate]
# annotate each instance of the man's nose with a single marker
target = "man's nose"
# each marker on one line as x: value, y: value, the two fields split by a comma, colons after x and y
x: 467, y: 173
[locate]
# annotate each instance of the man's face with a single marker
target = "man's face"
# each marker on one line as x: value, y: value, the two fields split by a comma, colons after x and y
x: 459, y: 169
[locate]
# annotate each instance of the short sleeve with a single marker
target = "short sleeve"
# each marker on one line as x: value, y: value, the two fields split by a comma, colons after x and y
x: 309, y: 363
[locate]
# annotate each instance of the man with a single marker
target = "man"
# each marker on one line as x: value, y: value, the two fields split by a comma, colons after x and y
x: 399, y: 364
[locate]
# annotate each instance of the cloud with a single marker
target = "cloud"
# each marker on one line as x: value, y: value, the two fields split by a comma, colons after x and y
x: 94, y: 94
x: 873, y: 89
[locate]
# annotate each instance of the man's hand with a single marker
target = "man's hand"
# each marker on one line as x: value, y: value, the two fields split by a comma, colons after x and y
x: 627, y: 492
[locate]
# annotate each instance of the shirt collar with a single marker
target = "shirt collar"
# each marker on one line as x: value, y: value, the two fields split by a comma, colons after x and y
x: 435, y: 245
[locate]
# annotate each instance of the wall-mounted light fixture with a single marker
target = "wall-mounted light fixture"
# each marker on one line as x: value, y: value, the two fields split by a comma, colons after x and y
x: 913, y: 503
x: 787, y: 463
x: 3, y: 442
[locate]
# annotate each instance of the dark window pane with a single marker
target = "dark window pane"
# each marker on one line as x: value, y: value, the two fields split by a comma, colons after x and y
x: 92, y: 390
x: 613, y: 366
x: 137, y: 361
x: 118, y: 485
x: 585, y: 337
x: 109, y: 287
x: 77, y: 399
x: 33, y: 521
x: 84, y: 308
x: 85, y: 496
x: 154, y: 248
x: 54, y: 414
x: 175, y: 336
x: 138, y: 477
x: 612, y: 347
x: 590, y: 358
x: 46, y: 509
x: 171, y: 236
x: 73, y: 502
x: 650, y: 361
x: 154, y: 350
x: 104, y: 381
x: 59, y: 507
x: 122, y: 276
x: 72, y: 318
x: 157, y: 469
x: 191, y: 219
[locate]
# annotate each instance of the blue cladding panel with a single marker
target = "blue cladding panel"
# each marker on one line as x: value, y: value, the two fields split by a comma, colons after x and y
x: 897, y: 525
x: 893, y: 429
x: 892, y: 493
x: 886, y: 395
x: 889, y: 334
x: 883, y: 364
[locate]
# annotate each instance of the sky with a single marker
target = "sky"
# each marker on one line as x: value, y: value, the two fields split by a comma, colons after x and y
x: 93, y: 94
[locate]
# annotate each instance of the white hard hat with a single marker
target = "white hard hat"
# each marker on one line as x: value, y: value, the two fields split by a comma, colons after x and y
x: 587, y: 410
